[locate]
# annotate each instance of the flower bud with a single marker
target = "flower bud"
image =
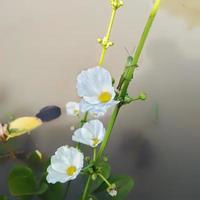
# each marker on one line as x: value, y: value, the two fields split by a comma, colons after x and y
x: 39, y: 154
x: 87, y: 159
x: 112, y: 190
x: 99, y: 40
x: 105, y: 159
x: 109, y: 44
x: 121, y: 3
x: 94, y: 177
x: 142, y: 96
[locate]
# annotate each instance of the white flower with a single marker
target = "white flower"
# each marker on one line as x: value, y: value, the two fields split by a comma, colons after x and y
x: 95, y: 87
x: 73, y: 108
x: 92, y: 133
x: 97, y: 113
x: 66, y: 164
x: 112, y: 190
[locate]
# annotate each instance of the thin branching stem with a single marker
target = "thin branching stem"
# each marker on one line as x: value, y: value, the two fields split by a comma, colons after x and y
x: 105, y: 44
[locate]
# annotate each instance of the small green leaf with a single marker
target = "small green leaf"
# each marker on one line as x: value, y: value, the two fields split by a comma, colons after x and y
x: 21, y: 182
x: 124, y: 185
x: 105, y: 171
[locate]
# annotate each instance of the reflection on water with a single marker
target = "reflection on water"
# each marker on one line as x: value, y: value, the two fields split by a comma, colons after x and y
x: 138, y: 147
x: 188, y: 9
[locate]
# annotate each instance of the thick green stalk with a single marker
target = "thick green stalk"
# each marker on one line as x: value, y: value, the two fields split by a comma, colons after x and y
x: 146, y: 32
x: 108, y: 131
x: 129, y: 75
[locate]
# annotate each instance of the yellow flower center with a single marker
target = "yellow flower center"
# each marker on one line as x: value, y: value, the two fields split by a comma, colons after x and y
x: 76, y: 112
x: 104, y: 97
x: 71, y: 170
x: 95, y: 141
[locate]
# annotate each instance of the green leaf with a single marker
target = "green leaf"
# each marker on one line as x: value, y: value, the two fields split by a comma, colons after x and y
x: 3, y: 197
x: 105, y: 171
x: 54, y: 192
x: 21, y: 182
x: 42, y: 189
x: 124, y: 185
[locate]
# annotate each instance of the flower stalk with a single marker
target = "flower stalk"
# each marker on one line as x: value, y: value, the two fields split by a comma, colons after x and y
x: 122, y: 94
x: 104, y: 179
x: 129, y: 75
x: 94, y: 154
x: 105, y: 43
x: 87, y: 188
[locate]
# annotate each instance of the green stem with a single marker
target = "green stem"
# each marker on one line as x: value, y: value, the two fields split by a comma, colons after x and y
x: 107, y: 37
x: 87, y: 188
x: 87, y: 167
x: 125, y: 85
x: 129, y: 75
x: 146, y: 32
x: 101, y: 60
x: 108, y: 131
x: 104, y: 179
x: 84, y: 120
x: 94, y: 153
x: 67, y: 190
x: 89, y: 181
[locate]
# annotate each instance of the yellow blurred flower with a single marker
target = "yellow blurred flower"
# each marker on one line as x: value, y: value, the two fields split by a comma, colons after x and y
x: 23, y: 125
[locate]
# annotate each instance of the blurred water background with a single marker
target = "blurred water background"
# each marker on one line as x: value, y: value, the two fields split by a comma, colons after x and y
x: 44, y: 44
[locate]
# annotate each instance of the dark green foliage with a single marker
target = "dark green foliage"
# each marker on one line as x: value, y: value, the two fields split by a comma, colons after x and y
x: 22, y: 182
x: 54, y: 192
x: 104, y: 169
x: 3, y: 197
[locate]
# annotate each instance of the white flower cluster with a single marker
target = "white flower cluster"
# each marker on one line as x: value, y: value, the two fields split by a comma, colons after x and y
x: 97, y: 95
x: 67, y: 162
